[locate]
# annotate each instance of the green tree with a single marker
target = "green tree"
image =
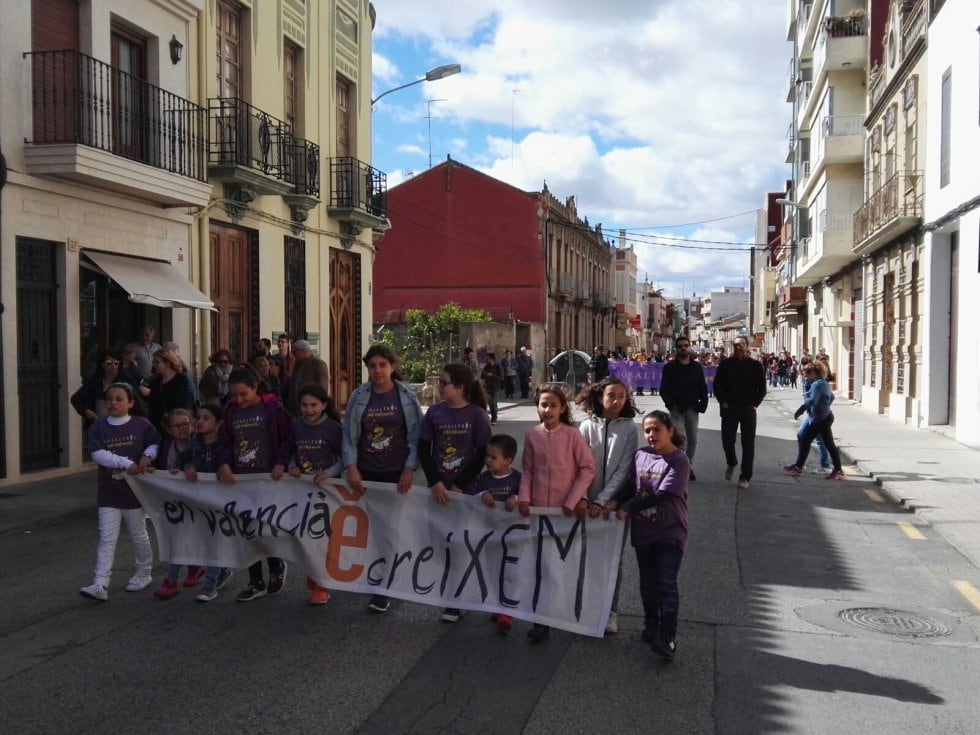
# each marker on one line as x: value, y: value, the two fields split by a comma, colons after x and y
x: 430, y: 340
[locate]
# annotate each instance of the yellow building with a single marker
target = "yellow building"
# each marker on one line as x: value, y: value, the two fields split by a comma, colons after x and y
x: 193, y: 165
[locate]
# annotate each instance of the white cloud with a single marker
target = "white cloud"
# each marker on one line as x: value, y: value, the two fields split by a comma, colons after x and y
x: 650, y: 113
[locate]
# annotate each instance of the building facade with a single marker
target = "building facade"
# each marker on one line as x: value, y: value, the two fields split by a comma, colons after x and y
x: 459, y: 235
x: 887, y: 307
x: 180, y: 164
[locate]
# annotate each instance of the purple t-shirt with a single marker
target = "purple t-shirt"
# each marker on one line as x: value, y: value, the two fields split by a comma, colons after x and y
x: 455, y: 434
x: 316, y: 447
x: 128, y: 440
x: 665, y: 478
x: 500, y: 487
x: 383, y: 444
x: 251, y: 447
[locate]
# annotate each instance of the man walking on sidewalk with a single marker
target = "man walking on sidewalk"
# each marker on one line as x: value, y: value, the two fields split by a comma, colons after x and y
x: 740, y: 386
x: 685, y: 394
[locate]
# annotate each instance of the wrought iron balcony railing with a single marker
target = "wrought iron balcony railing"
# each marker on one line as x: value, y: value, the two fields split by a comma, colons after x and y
x: 80, y: 100
x: 358, y: 187
x: 898, y: 198
x: 242, y: 135
x: 304, y: 166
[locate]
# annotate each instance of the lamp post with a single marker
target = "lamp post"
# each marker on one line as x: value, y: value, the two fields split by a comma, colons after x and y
x: 433, y: 75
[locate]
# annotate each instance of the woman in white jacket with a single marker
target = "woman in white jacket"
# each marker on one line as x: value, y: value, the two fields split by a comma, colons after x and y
x: 612, y: 435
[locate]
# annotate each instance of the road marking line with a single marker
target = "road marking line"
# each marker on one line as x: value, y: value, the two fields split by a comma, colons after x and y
x: 968, y: 591
x: 911, y: 531
x: 874, y: 495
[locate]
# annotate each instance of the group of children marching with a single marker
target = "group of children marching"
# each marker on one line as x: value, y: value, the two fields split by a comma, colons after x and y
x: 595, y: 469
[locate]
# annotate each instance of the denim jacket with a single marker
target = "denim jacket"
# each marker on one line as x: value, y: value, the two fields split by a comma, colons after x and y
x: 356, y: 406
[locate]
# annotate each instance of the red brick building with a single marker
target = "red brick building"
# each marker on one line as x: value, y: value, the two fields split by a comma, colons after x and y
x: 458, y: 235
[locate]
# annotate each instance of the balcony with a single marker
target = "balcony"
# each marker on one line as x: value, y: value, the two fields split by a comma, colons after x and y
x: 791, y: 142
x: 790, y: 300
x: 829, y: 250
x: 358, y: 197
x: 565, y: 286
x: 304, y: 175
x: 249, y: 153
x: 842, y: 138
x: 893, y: 210
x: 842, y: 45
x: 98, y: 125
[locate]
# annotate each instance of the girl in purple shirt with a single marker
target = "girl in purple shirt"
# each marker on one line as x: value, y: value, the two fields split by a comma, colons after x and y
x: 453, y: 439
x: 120, y: 444
x: 656, y: 504
x: 313, y: 447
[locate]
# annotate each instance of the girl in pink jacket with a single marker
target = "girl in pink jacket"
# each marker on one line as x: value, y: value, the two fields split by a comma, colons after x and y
x: 557, y: 465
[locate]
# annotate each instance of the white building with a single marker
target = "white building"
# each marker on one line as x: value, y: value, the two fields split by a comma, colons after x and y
x: 721, y: 304
x: 951, y: 349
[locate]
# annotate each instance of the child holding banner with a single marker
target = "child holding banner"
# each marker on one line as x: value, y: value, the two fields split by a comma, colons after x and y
x: 202, y: 456
x: 179, y: 425
x: 657, y: 508
x: 254, y: 430
x: 500, y: 483
x: 611, y: 435
x: 453, y: 439
x: 381, y: 432
x: 557, y: 465
x: 120, y: 443
x: 313, y: 446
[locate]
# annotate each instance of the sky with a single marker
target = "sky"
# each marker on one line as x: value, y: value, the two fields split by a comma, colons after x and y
x: 666, y: 118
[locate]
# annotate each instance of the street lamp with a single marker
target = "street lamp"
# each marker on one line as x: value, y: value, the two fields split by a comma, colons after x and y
x: 433, y: 75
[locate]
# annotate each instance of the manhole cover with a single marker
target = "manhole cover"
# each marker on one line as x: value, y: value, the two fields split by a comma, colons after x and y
x: 894, y: 622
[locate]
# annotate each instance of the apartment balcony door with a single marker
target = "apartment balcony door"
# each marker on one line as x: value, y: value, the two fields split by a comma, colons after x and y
x: 131, y: 117
x: 54, y: 27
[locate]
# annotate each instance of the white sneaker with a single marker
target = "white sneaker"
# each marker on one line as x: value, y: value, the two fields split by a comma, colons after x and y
x: 612, y: 626
x: 139, y: 582
x: 94, y: 592
x: 820, y: 471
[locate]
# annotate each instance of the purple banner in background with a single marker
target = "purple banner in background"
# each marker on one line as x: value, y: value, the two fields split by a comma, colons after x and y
x: 648, y: 374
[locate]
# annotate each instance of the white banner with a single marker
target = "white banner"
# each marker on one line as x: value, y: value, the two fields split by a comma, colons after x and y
x: 546, y: 568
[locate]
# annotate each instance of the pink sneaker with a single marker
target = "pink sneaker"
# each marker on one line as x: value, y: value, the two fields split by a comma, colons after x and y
x: 504, y: 623
x: 194, y: 575
x: 792, y: 469
x: 167, y: 590
x: 836, y: 475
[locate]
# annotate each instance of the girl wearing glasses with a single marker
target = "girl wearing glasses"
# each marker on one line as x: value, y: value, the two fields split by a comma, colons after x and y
x: 179, y: 429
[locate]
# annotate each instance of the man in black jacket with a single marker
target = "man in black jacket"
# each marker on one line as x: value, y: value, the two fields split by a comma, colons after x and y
x: 740, y: 386
x: 685, y: 394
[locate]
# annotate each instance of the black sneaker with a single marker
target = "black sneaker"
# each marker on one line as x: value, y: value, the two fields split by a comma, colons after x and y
x: 451, y: 615
x: 729, y: 472
x: 649, y: 636
x: 254, y: 591
x: 277, y: 581
x: 379, y: 604
x: 664, y: 649
x: 692, y: 477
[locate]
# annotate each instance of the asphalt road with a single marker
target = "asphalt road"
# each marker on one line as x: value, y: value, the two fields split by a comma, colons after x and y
x: 805, y: 608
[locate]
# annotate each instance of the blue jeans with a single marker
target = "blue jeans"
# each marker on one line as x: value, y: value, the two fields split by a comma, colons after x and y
x: 659, y: 565
x: 688, y: 422
x: 818, y: 442
x: 822, y: 429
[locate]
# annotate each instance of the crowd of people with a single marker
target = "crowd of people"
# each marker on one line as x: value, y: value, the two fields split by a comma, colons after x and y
x: 274, y: 416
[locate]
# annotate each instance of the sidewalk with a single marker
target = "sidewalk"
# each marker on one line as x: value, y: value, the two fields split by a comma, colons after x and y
x: 931, y: 475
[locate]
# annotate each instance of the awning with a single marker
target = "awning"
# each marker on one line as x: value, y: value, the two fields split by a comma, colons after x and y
x: 150, y: 281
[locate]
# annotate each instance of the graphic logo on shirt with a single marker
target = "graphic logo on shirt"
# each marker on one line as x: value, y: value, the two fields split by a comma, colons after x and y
x: 248, y: 454
x: 451, y: 460
x: 378, y: 440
